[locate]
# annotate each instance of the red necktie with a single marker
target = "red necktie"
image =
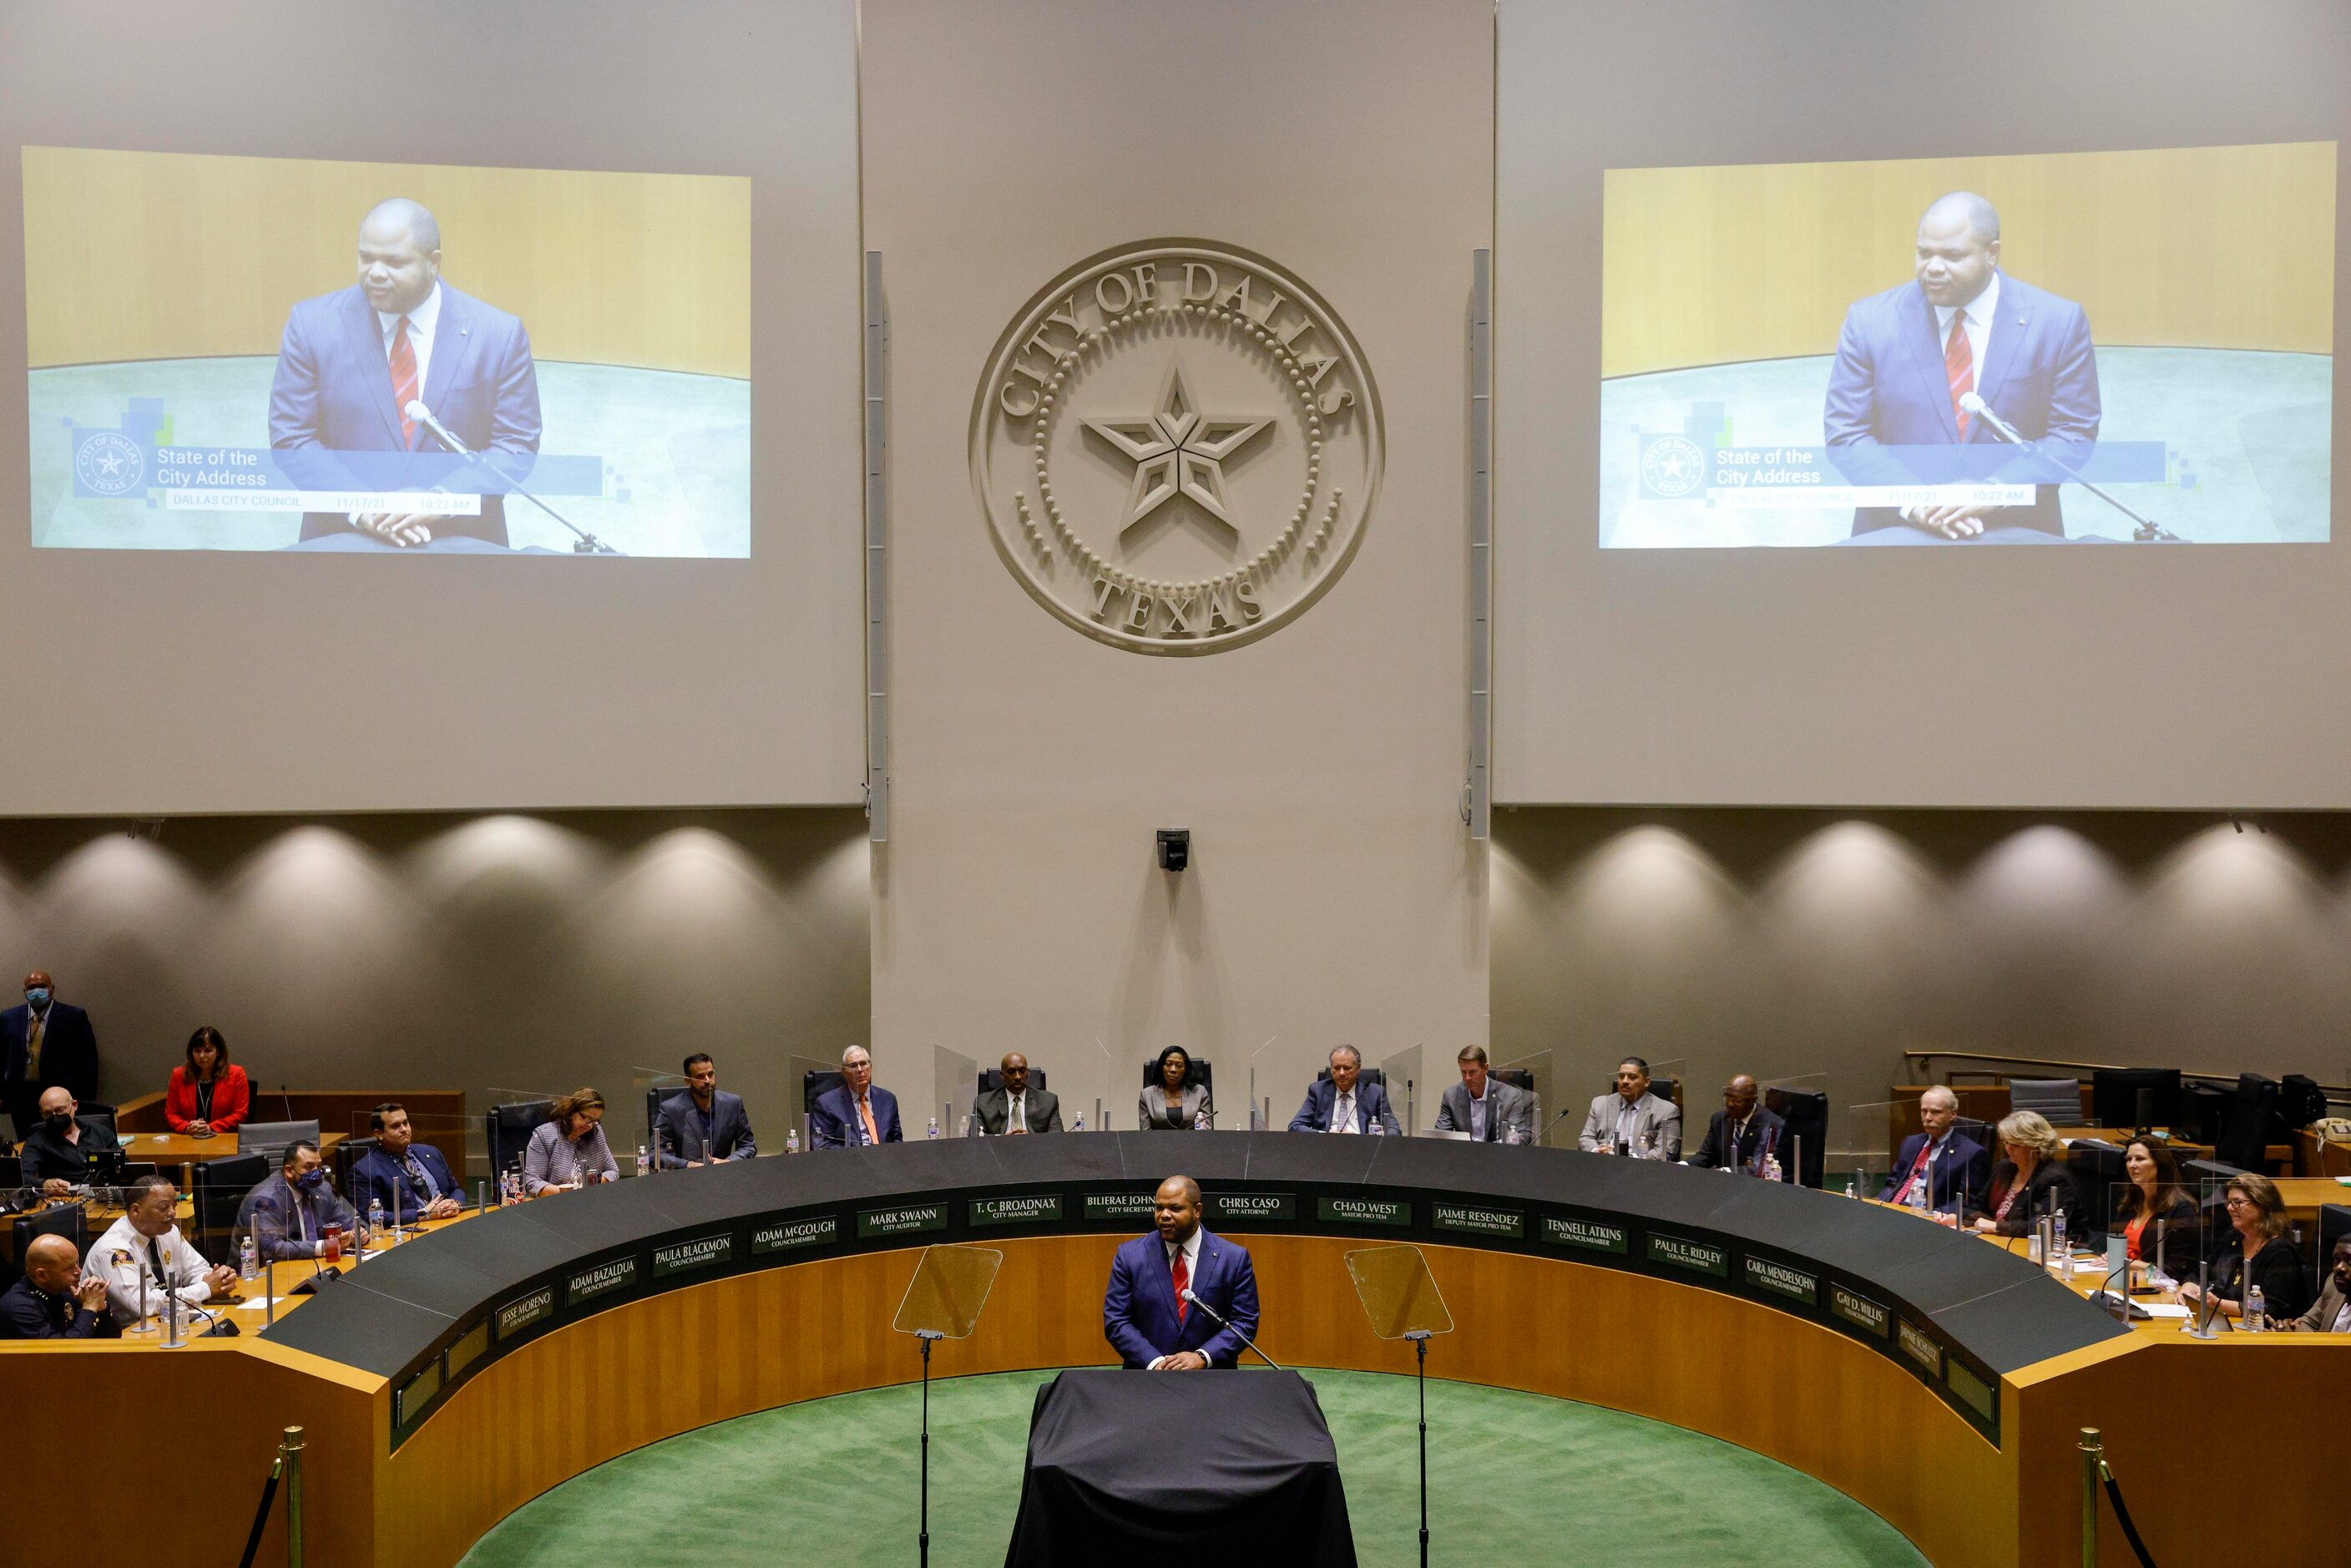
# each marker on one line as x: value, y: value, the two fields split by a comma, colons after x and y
x: 1959, y: 368
x: 1918, y: 1167
x: 404, y: 380
x: 1183, y: 1280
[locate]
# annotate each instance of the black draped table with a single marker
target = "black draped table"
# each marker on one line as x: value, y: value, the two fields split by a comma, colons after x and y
x: 1148, y: 1468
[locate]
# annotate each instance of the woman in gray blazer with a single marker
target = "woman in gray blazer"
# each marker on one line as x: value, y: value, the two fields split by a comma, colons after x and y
x: 1171, y: 1105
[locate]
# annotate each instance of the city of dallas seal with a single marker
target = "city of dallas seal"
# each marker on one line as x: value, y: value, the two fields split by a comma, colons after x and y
x: 1177, y: 447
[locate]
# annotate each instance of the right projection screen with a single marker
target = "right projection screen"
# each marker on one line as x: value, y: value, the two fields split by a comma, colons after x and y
x: 1779, y: 287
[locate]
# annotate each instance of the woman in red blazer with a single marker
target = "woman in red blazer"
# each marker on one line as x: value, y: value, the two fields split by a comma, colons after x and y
x: 209, y: 1094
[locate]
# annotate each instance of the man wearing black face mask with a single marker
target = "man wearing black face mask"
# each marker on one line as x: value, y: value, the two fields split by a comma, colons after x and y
x: 43, y: 1044
x: 66, y: 1149
x: 290, y: 1214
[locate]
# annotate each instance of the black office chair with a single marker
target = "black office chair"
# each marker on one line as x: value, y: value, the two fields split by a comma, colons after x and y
x: 220, y: 1186
x: 2252, y: 1115
x: 815, y: 1086
x: 1520, y: 1077
x: 104, y: 1113
x: 509, y: 1129
x: 2098, y: 1170
x: 1368, y: 1075
x: 348, y: 1154
x: 70, y: 1220
x: 993, y: 1078
x: 2334, y: 1224
x: 1806, y: 1113
x: 1200, y: 1071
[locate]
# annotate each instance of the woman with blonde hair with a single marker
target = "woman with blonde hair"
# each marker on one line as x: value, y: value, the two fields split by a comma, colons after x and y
x: 2260, y: 1252
x: 568, y: 1150
x: 2032, y: 1180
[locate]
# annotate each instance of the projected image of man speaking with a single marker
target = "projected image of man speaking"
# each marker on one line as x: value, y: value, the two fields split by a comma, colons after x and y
x: 353, y: 362
x: 1907, y: 360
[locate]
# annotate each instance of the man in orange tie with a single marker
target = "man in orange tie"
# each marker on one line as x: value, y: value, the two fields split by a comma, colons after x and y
x: 859, y: 1112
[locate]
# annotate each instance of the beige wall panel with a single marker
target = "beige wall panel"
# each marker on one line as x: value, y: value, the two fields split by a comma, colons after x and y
x: 1333, y: 893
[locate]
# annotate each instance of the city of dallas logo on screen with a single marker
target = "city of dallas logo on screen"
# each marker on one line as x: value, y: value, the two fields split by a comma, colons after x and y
x: 1177, y: 447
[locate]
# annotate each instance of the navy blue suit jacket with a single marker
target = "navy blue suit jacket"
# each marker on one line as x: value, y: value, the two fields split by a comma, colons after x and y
x: 332, y: 394
x: 1963, y: 1167
x: 680, y: 1129
x: 834, y: 1122
x: 1139, y: 1309
x: 1371, y: 1100
x: 375, y: 1174
x: 1888, y: 389
x: 68, y: 1056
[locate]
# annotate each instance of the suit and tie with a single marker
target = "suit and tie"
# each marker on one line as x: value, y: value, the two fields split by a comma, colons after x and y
x: 1370, y: 1105
x: 1743, y: 1147
x: 1506, y: 1108
x: 1145, y: 1318
x: 686, y: 1136
x: 333, y: 394
x: 1040, y: 1110
x: 1897, y: 375
x: 377, y: 1176
x: 1961, y: 1167
x: 835, y: 1124
x: 1651, y: 1128
x: 68, y: 1049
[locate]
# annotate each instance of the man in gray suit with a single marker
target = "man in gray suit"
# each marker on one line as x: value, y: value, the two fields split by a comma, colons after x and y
x: 1632, y: 1121
x: 1482, y: 1105
x: 705, y: 1126
x: 1015, y: 1107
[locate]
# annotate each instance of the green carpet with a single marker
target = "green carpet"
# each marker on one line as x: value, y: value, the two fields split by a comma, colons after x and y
x: 1513, y: 1477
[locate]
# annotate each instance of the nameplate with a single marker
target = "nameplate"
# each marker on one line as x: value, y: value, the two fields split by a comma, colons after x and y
x: 1366, y: 1212
x: 1971, y: 1390
x: 794, y: 1233
x: 1860, y: 1311
x: 1919, y: 1346
x: 519, y: 1316
x: 1119, y: 1206
x: 1781, y: 1281
x: 1481, y: 1221
x: 1588, y: 1235
x: 1697, y: 1257
x: 408, y: 1403
x: 1035, y: 1208
x: 620, y: 1274
x: 904, y: 1221
x: 686, y: 1257
x: 471, y: 1346
x: 1254, y: 1207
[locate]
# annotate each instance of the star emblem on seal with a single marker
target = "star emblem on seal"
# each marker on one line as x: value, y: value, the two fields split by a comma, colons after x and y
x: 1176, y: 451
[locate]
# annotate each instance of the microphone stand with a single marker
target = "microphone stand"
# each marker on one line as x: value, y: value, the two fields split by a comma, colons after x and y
x: 586, y: 544
x: 1223, y: 1323
x: 2149, y: 530
x: 1419, y: 1338
x: 928, y: 1336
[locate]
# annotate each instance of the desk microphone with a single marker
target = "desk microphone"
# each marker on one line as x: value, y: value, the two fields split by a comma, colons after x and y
x: 587, y: 544
x: 1226, y: 1324
x: 2147, y: 529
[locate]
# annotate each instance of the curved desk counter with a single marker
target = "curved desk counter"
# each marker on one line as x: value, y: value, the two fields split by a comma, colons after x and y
x: 1939, y: 1381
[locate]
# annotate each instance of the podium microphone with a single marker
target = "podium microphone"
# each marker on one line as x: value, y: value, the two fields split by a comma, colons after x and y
x: 2149, y: 530
x: 1224, y: 1322
x: 587, y: 544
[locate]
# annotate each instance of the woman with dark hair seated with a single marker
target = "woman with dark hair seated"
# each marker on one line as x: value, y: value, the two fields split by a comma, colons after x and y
x: 568, y: 1149
x: 209, y: 1094
x: 2032, y: 1180
x: 2156, y: 1208
x: 2259, y: 1252
x: 1170, y: 1104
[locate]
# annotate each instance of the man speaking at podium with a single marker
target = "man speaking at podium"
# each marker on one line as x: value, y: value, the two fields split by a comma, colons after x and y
x: 353, y: 360
x: 1145, y: 1313
x: 1909, y: 357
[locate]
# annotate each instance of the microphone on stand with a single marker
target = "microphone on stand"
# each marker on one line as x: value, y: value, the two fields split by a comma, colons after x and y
x: 587, y: 544
x: 1222, y: 1321
x: 2149, y: 530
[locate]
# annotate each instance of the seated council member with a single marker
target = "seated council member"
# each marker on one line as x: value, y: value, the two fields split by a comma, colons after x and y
x: 1170, y: 1104
x: 66, y: 1149
x: 703, y: 1125
x: 2331, y: 1313
x: 146, y: 1243
x: 858, y: 1112
x: 53, y: 1300
x: 289, y: 1214
x: 2156, y: 1206
x: 1144, y: 1315
x: 1014, y: 1107
x: 1482, y: 1105
x: 1343, y: 1102
x: 1742, y: 1132
x: 2032, y: 1180
x: 209, y: 1094
x: 568, y: 1150
x: 1632, y: 1121
x: 2260, y: 1253
x: 410, y: 1179
x: 1942, y: 1163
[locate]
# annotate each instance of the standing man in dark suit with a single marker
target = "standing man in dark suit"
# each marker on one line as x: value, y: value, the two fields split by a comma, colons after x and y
x: 859, y: 1112
x: 1342, y: 1102
x: 1907, y: 357
x: 1014, y: 1107
x: 1741, y: 1132
x: 1144, y: 1314
x: 352, y: 360
x: 44, y: 1043
x: 1941, y: 1165
x: 704, y: 1124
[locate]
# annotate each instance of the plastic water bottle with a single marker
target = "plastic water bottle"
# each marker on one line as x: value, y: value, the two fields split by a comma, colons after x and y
x: 934, y: 1128
x: 1200, y: 1121
x: 644, y: 1161
x: 973, y: 1128
x: 2257, y: 1311
x: 1079, y: 1125
x: 792, y: 1141
x: 1378, y: 1128
x: 248, y: 1263
x: 375, y: 1216
x: 2057, y: 1231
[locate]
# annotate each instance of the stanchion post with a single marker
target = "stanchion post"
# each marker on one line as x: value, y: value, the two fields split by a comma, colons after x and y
x: 293, y: 1497
x: 2094, y: 1453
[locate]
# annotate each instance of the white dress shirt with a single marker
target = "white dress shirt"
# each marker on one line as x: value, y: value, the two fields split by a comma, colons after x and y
x: 424, y: 327
x: 1190, y: 1247
x: 1343, y: 1115
x: 119, y: 1258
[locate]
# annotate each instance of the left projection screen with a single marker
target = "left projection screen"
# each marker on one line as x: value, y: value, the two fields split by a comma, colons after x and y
x: 230, y: 353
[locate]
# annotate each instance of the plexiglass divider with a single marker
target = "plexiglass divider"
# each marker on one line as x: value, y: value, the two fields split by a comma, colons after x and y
x: 1540, y: 1066
x: 797, y: 1068
x: 954, y: 1085
x: 1800, y: 1100
x: 1868, y: 1159
x: 1408, y: 1087
x: 648, y: 1086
